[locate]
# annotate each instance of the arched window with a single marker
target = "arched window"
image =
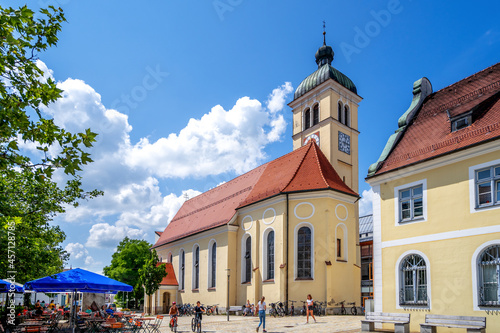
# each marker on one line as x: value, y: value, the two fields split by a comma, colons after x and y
x: 307, y: 119
x: 413, y: 280
x: 247, y: 260
x: 170, y: 257
x: 315, y: 114
x: 347, y: 117
x: 212, y: 265
x: 196, y: 267
x: 270, y: 255
x: 339, y: 114
x: 304, y: 253
x: 181, y: 269
x: 489, y: 276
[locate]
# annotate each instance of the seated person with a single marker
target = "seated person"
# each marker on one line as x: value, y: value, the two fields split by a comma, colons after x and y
x: 248, y: 308
x: 110, y: 311
x: 89, y: 310
x: 52, y: 305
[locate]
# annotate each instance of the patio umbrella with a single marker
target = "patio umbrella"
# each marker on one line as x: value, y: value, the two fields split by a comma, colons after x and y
x: 5, y: 287
x: 76, y: 280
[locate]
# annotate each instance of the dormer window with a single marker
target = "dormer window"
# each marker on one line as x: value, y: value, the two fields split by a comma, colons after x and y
x: 461, y: 121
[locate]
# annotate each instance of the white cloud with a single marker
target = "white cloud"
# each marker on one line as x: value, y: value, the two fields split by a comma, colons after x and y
x: 277, y: 99
x: 89, y: 261
x: 76, y: 250
x: 366, y: 202
x: 106, y: 235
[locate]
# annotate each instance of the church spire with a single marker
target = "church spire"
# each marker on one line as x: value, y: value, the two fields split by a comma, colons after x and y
x: 325, y: 53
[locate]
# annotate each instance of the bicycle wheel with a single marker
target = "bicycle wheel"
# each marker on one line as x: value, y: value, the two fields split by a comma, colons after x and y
x: 193, y: 324
x: 199, y: 326
x: 354, y: 310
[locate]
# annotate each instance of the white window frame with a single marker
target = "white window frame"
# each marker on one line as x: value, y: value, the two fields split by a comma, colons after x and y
x: 296, y: 248
x: 264, y: 252
x: 397, y: 214
x: 473, y: 199
x: 209, y: 266
x: 428, y: 276
x: 181, y: 251
x: 243, y: 261
x: 193, y: 274
x: 476, y: 276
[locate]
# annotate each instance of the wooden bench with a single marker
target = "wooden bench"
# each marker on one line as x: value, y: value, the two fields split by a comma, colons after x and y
x: 236, y: 310
x: 471, y: 324
x: 401, y: 321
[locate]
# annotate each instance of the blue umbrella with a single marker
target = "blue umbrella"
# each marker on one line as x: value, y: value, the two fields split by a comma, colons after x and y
x: 5, y: 287
x: 77, y: 280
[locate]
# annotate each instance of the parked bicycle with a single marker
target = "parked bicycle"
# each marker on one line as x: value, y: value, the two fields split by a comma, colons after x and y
x: 292, y: 308
x: 319, y: 308
x: 213, y: 309
x: 354, y: 309
x: 342, y: 308
x: 303, y: 311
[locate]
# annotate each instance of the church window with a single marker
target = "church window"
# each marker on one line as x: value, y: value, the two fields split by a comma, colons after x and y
x: 315, y: 114
x: 181, y: 269
x: 304, y: 253
x: 196, y: 267
x: 346, y: 117
x: 340, y: 112
x: 212, y: 265
x: 307, y: 119
x: 270, y: 256
x: 339, y: 248
x: 247, y: 260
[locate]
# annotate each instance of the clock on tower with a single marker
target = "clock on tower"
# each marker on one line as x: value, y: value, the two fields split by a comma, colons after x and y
x: 344, y: 143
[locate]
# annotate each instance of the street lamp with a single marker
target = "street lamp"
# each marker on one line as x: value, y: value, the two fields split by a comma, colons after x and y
x: 227, y: 303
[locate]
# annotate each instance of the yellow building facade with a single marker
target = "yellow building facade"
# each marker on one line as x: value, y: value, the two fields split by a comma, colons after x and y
x: 285, y: 229
x: 437, y: 205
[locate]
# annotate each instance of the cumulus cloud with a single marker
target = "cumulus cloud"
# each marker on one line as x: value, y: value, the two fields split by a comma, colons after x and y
x: 366, y: 202
x: 76, y: 250
x: 220, y: 141
x: 106, y: 235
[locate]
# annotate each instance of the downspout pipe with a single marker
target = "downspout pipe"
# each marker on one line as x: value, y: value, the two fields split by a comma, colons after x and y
x: 287, y: 248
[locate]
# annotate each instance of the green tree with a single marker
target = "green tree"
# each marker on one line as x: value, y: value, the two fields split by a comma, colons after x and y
x: 29, y: 197
x: 151, y: 274
x: 130, y: 256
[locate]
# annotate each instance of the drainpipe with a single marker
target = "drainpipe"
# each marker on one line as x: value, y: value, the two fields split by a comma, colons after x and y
x: 286, y: 256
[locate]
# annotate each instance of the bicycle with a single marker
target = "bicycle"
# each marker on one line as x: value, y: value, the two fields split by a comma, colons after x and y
x: 273, y: 311
x: 319, y: 308
x: 342, y: 308
x: 212, y: 309
x: 292, y: 308
x: 281, y: 309
x: 354, y: 310
x: 173, y: 324
x: 303, y: 311
x: 196, y: 324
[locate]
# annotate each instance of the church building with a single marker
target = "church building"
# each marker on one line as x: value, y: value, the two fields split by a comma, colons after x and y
x: 285, y: 229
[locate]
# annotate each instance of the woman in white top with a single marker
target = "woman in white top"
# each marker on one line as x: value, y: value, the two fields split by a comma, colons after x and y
x: 310, y: 307
x: 261, y: 308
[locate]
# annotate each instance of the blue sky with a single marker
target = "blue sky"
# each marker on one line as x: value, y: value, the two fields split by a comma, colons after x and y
x: 164, y: 84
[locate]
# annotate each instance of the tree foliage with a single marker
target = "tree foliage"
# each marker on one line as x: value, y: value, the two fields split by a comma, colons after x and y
x: 151, y: 274
x: 29, y: 197
x: 130, y: 256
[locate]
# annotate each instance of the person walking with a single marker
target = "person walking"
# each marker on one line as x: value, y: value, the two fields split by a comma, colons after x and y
x: 310, y: 308
x: 261, y: 309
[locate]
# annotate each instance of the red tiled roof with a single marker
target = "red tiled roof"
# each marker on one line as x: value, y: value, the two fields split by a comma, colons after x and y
x: 170, y: 279
x: 429, y: 135
x: 158, y: 233
x: 304, y: 169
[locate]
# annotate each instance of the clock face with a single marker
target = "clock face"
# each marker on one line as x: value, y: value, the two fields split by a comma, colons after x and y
x: 314, y: 136
x: 345, y: 143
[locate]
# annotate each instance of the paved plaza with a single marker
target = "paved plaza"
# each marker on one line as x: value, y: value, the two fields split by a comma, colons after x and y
x: 242, y: 324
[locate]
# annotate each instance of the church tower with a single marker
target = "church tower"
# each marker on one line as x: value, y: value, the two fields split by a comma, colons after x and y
x: 325, y: 109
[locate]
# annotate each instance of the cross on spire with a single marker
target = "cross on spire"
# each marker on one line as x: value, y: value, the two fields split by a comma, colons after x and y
x: 324, y: 33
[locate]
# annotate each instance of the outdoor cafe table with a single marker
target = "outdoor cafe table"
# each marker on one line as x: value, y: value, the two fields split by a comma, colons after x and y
x: 143, y: 321
x: 94, y: 324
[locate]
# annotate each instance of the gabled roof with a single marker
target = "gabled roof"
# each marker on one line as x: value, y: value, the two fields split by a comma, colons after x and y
x: 158, y: 233
x: 304, y: 169
x: 429, y: 134
x: 170, y: 279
